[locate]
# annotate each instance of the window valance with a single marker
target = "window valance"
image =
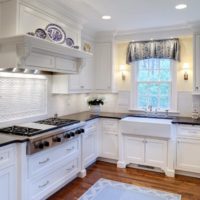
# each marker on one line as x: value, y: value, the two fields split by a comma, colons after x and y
x: 165, y: 49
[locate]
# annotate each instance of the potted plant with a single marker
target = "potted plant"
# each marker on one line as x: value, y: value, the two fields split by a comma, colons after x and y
x: 95, y: 103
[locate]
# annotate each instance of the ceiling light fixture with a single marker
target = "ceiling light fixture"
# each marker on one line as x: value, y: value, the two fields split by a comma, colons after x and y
x: 106, y: 17
x: 181, y: 6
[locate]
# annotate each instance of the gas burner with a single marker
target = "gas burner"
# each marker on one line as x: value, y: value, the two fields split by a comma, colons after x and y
x: 58, y: 122
x: 18, y: 130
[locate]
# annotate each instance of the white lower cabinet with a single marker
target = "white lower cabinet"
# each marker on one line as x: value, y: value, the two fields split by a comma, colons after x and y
x: 8, y: 173
x: 50, y: 170
x: 188, y: 148
x: 188, y: 158
x: 134, y: 150
x: 90, y: 143
x: 109, y: 147
x: 7, y: 184
x: 145, y: 151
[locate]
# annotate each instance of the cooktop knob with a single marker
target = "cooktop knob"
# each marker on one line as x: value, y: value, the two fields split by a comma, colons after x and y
x: 57, y: 139
x: 78, y: 131
x: 40, y: 145
x: 72, y: 134
x: 46, y: 143
x: 82, y: 130
x: 67, y: 135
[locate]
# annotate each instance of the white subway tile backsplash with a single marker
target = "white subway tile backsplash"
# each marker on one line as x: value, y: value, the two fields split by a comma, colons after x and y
x: 22, y: 98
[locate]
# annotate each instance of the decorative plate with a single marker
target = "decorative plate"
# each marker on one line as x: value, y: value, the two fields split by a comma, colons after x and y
x: 55, y: 33
x: 40, y: 33
x: 69, y: 42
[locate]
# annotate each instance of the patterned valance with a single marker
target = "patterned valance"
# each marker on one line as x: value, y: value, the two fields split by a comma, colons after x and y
x: 166, y: 49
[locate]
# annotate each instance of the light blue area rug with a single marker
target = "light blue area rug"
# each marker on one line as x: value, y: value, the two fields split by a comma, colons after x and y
x: 105, y: 189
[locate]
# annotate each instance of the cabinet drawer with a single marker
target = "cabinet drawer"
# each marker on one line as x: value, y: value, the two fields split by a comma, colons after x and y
x: 42, y: 161
x: 110, y: 125
x: 43, y: 186
x: 7, y: 156
x: 91, y: 127
x: 187, y: 131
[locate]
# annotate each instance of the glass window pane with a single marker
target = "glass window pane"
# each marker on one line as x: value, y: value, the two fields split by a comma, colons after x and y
x: 165, y: 75
x: 142, y: 89
x: 164, y: 102
x: 164, y: 89
x: 154, y: 75
x: 142, y: 102
x: 153, y: 101
x: 143, y: 75
x: 165, y: 64
x: 153, y: 89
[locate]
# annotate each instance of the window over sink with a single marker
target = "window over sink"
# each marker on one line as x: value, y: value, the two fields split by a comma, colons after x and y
x: 154, y: 84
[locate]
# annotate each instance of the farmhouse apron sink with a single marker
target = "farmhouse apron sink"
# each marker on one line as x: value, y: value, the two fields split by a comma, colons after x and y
x: 152, y: 127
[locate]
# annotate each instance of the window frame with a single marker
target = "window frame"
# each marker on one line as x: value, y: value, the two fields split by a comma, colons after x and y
x: 134, y: 92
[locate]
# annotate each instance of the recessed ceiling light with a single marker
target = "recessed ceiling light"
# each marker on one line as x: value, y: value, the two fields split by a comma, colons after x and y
x: 106, y: 17
x: 181, y: 6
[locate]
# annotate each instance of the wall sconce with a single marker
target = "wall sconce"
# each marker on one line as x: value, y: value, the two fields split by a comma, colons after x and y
x: 185, y: 67
x: 122, y: 69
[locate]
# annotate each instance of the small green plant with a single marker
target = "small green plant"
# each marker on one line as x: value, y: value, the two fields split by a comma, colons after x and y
x: 95, y: 101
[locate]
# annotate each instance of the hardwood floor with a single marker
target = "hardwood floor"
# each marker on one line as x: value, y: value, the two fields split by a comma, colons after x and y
x: 188, y: 187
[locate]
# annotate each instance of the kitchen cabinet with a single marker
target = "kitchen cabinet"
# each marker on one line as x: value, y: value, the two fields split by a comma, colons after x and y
x: 8, y: 173
x: 104, y: 67
x: 188, y: 152
x: 83, y: 81
x: 109, y: 136
x: 74, y: 83
x: 49, y: 170
x: 7, y: 184
x: 188, y: 148
x: 90, y: 143
x: 146, y: 151
x: 134, y: 150
x: 196, y: 57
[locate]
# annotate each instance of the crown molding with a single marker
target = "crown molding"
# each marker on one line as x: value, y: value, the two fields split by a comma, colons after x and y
x: 58, y: 11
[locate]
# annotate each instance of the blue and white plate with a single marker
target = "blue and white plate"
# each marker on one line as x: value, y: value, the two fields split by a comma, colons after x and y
x: 69, y: 42
x: 55, y: 33
x: 40, y: 33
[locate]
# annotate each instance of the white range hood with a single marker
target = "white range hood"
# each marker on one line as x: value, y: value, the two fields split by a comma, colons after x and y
x: 32, y: 53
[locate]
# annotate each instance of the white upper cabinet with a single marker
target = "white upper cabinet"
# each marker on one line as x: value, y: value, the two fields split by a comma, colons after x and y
x: 22, y: 51
x: 104, y: 67
x: 197, y: 63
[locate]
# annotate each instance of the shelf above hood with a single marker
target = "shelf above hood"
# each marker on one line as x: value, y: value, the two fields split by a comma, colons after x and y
x: 28, y: 52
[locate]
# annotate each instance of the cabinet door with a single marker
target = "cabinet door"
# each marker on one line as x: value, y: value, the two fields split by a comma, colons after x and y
x: 103, y: 66
x: 155, y: 152
x: 188, y: 158
x: 7, y: 184
x: 134, y: 150
x: 74, y: 83
x: 89, y: 147
x: 197, y: 63
x: 109, y: 145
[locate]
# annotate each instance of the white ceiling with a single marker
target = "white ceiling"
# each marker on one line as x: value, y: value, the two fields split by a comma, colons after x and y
x: 132, y: 14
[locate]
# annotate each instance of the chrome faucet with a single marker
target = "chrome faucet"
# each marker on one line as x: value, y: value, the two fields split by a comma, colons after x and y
x: 150, y: 107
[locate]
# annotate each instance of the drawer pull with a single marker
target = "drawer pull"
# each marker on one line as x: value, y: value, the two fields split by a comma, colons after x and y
x: 41, y: 186
x: 69, y: 169
x: 1, y: 158
x: 70, y: 149
x: 43, y: 162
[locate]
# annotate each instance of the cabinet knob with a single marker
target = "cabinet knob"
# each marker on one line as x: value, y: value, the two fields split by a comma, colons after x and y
x: 196, y: 88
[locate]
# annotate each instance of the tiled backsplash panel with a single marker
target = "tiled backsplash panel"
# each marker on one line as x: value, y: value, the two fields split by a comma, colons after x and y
x: 22, y: 97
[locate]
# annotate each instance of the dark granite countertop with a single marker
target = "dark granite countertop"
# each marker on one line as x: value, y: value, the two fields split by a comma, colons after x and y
x: 186, y: 120
x: 86, y: 116
x: 9, y: 139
